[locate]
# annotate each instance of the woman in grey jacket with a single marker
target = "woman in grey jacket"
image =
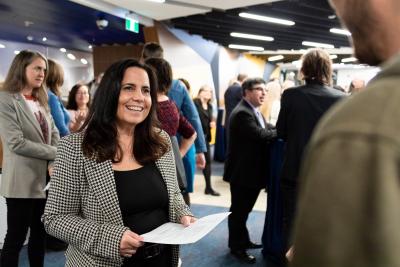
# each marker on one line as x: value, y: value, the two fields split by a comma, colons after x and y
x: 29, y: 140
x: 116, y: 178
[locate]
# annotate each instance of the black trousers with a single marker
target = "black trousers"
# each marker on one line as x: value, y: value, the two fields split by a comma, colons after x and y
x: 242, y: 203
x: 289, y: 204
x: 24, y: 214
x: 207, y: 168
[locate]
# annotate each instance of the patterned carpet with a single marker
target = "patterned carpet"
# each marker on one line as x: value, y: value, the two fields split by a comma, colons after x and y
x: 211, y: 251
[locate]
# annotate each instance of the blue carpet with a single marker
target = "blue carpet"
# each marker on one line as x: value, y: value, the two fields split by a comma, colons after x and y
x: 211, y: 251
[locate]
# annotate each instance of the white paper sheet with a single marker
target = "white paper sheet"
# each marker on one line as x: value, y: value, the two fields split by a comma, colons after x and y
x: 177, y: 234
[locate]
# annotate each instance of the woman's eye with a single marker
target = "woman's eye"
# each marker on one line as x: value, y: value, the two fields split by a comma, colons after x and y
x: 127, y: 88
x: 146, y: 91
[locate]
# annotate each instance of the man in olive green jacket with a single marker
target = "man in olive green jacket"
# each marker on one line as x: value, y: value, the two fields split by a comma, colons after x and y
x: 349, y: 207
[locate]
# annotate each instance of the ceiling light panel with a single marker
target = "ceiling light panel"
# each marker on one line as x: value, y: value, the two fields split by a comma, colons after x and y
x: 246, y: 47
x: 276, y: 58
x: 252, y: 36
x: 340, y: 31
x: 315, y: 44
x: 267, y: 19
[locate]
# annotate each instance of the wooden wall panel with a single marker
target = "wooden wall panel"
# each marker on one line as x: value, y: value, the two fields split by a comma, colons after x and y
x: 104, y: 56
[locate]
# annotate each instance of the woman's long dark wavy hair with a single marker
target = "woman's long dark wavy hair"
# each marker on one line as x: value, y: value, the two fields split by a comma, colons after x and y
x: 100, y: 138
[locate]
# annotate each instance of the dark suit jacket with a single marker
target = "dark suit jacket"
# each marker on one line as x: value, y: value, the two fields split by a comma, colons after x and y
x: 248, y: 155
x: 232, y: 97
x: 301, y: 109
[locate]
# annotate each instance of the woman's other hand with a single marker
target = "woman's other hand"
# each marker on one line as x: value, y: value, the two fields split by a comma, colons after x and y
x: 187, y: 220
x: 130, y: 242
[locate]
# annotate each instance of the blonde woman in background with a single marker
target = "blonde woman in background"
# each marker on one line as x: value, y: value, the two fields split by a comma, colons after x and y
x: 272, y: 105
x: 78, y: 106
x: 204, y: 107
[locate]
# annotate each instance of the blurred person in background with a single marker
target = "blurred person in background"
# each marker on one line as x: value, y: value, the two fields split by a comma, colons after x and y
x: 205, y: 109
x: 78, y: 106
x: 301, y: 109
x: 116, y: 179
x: 189, y: 160
x: 271, y: 106
x: 29, y: 138
x: 54, y: 82
x: 171, y: 120
x: 178, y: 93
x: 356, y: 85
x: 232, y: 96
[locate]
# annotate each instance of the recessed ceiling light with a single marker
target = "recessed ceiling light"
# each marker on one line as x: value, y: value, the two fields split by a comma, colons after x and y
x: 16, y: 52
x: 267, y: 19
x: 349, y: 59
x: 333, y: 56
x: 276, y: 58
x: 84, y: 61
x: 157, y: 1
x: 246, y: 47
x: 340, y: 31
x: 44, y: 39
x: 315, y: 44
x: 252, y: 36
x: 71, y: 56
x: 62, y: 49
x: 29, y: 38
x: 2, y: 46
x: 332, y: 16
x: 28, y: 23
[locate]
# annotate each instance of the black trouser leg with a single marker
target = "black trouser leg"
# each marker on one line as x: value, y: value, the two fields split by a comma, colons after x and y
x: 289, y: 199
x: 207, y: 168
x: 36, y: 243
x: 22, y: 214
x: 243, y: 200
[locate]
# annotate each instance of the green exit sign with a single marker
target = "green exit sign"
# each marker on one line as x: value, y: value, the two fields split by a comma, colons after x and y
x: 132, y: 25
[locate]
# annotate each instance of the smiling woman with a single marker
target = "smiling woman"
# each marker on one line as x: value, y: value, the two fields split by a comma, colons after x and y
x: 116, y: 178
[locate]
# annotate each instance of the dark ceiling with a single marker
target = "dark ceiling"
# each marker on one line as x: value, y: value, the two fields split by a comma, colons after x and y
x: 63, y: 23
x: 73, y: 26
x: 310, y: 16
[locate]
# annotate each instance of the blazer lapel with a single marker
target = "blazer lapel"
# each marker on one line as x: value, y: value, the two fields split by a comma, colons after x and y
x: 100, y: 177
x: 25, y: 109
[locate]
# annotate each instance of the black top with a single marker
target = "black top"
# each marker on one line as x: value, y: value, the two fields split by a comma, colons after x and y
x: 143, y: 198
x: 205, y: 118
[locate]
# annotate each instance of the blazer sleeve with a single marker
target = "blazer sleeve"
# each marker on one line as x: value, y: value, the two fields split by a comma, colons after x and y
x: 190, y: 112
x: 245, y: 125
x: 58, y: 114
x: 62, y: 216
x: 14, y: 137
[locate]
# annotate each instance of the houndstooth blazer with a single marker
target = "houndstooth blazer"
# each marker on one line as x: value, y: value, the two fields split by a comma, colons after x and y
x: 83, y: 210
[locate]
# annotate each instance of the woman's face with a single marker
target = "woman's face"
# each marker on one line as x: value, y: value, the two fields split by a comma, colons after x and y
x: 134, y: 101
x: 82, y: 96
x: 35, y: 73
x: 206, y: 94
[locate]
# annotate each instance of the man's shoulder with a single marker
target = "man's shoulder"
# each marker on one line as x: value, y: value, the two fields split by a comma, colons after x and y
x: 372, y: 112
